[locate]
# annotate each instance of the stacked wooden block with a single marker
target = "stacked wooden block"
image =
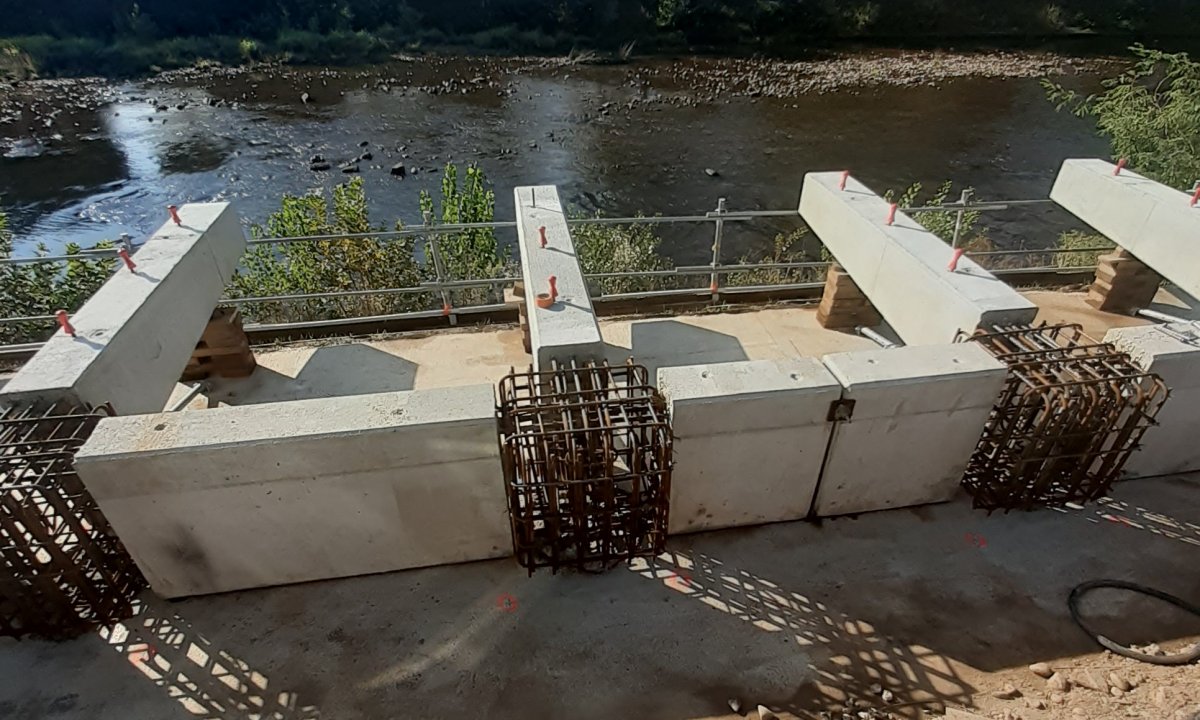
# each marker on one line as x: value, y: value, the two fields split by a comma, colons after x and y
x: 843, y: 304
x: 1123, y: 283
x: 516, y: 296
x: 223, y: 350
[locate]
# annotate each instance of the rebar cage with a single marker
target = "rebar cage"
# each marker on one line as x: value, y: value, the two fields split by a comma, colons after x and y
x: 1070, y: 413
x: 62, y: 570
x: 587, y: 465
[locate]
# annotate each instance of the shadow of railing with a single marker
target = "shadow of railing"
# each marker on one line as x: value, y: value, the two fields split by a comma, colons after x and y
x: 207, y: 681
x: 851, y: 666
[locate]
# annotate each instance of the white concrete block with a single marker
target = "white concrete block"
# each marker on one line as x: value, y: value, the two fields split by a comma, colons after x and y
x: 749, y: 440
x: 901, y: 268
x: 917, y: 417
x: 135, y: 335
x: 1173, y: 353
x: 1154, y: 222
x: 239, y: 497
x: 567, y: 330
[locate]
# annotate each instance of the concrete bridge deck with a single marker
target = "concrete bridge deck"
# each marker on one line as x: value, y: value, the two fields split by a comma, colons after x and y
x: 484, y: 355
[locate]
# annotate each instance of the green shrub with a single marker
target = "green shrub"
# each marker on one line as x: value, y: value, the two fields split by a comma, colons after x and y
x: 42, y: 288
x: 1077, y: 239
x: 621, y: 248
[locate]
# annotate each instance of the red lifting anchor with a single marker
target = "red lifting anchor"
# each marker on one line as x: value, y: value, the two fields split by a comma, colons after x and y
x: 958, y: 253
x: 65, y: 323
x: 546, y: 300
x: 542, y: 233
x: 174, y: 214
x: 1120, y: 166
x: 124, y: 254
x: 842, y: 182
x: 891, y: 216
x: 1196, y: 195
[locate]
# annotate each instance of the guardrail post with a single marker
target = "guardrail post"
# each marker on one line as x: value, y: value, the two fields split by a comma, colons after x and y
x: 964, y: 200
x: 439, y: 268
x: 718, y: 232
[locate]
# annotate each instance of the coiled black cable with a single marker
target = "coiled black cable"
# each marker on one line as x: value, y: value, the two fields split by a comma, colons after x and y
x: 1177, y: 659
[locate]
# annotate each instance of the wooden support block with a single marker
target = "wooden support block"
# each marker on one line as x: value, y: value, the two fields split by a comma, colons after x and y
x: 223, y: 349
x: 843, y: 305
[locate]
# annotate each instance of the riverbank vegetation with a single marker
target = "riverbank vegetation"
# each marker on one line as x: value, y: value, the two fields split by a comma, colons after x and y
x: 120, y: 37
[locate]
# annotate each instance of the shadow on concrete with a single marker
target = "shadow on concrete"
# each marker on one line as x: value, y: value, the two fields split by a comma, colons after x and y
x: 1178, y: 303
x: 207, y: 681
x: 331, y: 371
x: 671, y: 343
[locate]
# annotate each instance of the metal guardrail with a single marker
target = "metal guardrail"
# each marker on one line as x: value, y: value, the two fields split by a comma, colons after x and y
x: 442, y: 286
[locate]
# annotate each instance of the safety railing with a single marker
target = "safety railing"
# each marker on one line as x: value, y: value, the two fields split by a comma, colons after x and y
x: 791, y: 275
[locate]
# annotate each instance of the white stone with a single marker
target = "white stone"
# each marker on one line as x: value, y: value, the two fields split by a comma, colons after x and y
x: 902, y: 268
x: 136, y: 333
x: 917, y: 417
x: 567, y: 330
x: 1154, y: 222
x: 1170, y: 446
x: 749, y: 440
x: 240, y: 497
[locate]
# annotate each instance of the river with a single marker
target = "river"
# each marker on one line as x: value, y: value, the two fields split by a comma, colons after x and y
x: 660, y: 136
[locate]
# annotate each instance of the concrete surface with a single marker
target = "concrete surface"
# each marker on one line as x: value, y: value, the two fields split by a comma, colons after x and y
x: 918, y: 414
x: 749, y: 440
x: 901, y: 268
x: 1154, y: 222
x: 934, y: 603
x: 136, y: 333
x: 486, y: 355
x: 1173, y: 353
x: 263, y: 495
x: 567, y: 330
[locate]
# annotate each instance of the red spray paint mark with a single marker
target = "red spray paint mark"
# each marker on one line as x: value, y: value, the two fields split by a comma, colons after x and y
x: 976, y: 540
x: 506, y: 603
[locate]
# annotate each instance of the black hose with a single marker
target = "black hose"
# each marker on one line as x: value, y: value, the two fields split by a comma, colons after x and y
x: 1178, y: 659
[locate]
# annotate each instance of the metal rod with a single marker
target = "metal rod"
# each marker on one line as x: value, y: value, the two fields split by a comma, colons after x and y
x: 200, y: 387
x: 84, y: 255
x: 718, y: 231
x: 1161, y: 316
x: 879, y: 339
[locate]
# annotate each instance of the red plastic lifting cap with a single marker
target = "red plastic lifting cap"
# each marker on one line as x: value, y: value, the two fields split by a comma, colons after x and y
x: 1196, y: 195
x: 891, y: 216
x: 174, y: 214
x: 842, y: 182
x: 553, y: 287
x: 65, y: 323
x: 542, y: 233
x: 954, y: 258
x: 124, y: 254
x: 1120, y: 166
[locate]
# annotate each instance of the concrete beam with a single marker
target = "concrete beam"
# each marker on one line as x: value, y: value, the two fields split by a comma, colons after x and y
x: 749, y: 440
x: 231, y: 498
x: 135, y: 334
x: 568, y: 329
x: 917, y: 417
x: 901, y: 267
x: 1173, y: 353
x: 1154, y: 222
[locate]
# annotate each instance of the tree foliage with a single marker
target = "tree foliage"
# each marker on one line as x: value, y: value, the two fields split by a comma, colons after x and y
x: 1150, y: 113
x: 37, y: 289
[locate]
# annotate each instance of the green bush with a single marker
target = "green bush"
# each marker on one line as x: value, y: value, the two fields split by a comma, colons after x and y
x: 1076, y: 239
x: 605, y: 248
x: 42, y: 288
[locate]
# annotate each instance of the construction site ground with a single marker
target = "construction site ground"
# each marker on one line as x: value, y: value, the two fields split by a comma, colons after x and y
x: 941, y: 606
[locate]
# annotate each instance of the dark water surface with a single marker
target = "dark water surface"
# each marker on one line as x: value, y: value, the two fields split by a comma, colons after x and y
x: 615, y: 139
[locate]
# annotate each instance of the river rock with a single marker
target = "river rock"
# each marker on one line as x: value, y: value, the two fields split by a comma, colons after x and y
x: 304, y: 98
x: 319, y: 166
x: 317, y: 159
x: 366, y: 156
x: 1041, y: 669
x: 363, y: 143
x: 1058, y: 683
x: 711, y: 172
x: 399, y: 170
x: 350, y: 168
x: 735, y: 705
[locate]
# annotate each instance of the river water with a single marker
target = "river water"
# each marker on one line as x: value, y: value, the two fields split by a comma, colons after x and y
x: 617, y: 139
